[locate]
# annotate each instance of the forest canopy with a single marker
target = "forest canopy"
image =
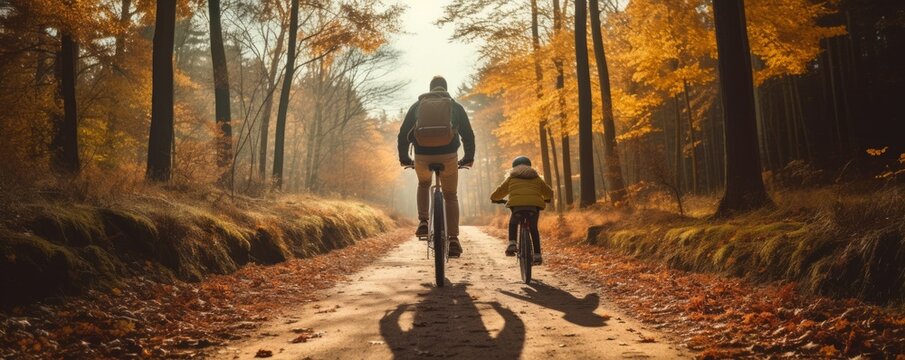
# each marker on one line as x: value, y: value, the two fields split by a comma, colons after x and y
x: 79, y: 88
x: 338, y: 84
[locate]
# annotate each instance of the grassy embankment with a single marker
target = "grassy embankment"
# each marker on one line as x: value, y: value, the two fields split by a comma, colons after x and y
x: 842, y: 241
x: 61, y: 242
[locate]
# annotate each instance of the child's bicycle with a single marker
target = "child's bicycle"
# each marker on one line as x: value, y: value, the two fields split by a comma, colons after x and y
x: 437, y: 240
x: 524, y: 245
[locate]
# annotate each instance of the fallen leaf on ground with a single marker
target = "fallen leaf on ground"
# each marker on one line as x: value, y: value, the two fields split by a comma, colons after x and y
x: 646, y: 340
x: 263, y: 353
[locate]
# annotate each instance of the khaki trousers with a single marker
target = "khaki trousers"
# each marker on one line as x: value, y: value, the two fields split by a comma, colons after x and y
x: 449, y: 179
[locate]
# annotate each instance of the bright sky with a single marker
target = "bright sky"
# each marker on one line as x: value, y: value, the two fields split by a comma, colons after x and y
x: 427, y: 51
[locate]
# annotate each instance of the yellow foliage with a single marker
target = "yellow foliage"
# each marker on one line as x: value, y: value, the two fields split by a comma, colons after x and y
x: 670, y: 44
x: 786, y: 44
x: 877, y: 152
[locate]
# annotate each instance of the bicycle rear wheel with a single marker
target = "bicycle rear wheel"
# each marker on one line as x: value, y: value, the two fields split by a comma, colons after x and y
x: 439, y: 239
x: 526, y: 255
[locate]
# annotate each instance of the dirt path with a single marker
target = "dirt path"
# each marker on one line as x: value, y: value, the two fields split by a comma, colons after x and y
x: 391, y: 310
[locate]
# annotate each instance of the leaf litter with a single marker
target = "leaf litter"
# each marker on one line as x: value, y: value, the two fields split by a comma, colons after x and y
x: 721, y: 317
x: 144, y: 318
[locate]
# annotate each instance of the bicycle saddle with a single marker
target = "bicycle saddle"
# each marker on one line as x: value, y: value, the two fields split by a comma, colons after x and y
x: 435, y: 167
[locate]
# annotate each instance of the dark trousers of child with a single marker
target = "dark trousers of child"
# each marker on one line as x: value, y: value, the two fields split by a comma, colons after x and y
x: 518, y: 213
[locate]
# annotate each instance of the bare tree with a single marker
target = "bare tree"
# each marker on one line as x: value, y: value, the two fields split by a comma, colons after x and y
x: 280, y: 134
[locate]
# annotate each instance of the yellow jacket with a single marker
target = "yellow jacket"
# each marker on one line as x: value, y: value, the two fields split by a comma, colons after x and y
x: 524, y: 188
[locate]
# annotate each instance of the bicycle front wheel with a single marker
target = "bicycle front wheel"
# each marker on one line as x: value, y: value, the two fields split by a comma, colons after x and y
x: 439, y: 239
x: 526, y: 255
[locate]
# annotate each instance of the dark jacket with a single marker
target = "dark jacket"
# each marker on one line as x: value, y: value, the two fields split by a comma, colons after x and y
x: 459, y: 121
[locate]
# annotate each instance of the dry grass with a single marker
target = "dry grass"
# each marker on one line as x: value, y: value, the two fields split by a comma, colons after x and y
x: 64, y: 237
x: 846, y: 241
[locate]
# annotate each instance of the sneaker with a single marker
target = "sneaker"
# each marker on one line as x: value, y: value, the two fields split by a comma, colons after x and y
x: 511, y: 249
x: 455, y: 249
x: 422, y: 229
x: 538, y: 260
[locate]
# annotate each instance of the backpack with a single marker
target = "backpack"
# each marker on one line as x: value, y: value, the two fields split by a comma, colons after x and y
x: 433, y: 121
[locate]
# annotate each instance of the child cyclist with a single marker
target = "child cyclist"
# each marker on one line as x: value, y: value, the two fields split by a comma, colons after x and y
x: 526, y: 191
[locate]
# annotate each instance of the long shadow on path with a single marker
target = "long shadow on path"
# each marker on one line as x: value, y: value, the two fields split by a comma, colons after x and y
x: 448, y: 322
x: 577, y: 311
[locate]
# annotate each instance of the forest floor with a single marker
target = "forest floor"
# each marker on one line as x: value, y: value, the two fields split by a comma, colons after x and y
x: 728, y: 317
x: 148, y: 319
x: 374, y: 299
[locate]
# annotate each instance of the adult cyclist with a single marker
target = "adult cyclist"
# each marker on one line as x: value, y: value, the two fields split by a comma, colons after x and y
x: 437, y: 126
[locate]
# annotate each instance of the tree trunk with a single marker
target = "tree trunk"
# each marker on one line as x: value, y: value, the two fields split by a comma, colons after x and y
x: 544, y: 152
x: 268, y: 103
x: 831, y: 69
x: 706, y: 146
x: 65, y: 143
x: 761, y: 128
x: 680, y: 170
x: 718, y: 133
x: 694, y: 155
x: 314, y: 131
x: 280, y: 133
x: 585, y: 130
x: 539, y: 76
x: 160, y: 140
x: 221, y: 91
x: 120, y: 40
x: 774, y: 131
x: 600, y: 166
x: 613, y: 170
x: 744, y: 185
x: 560, y: 84
x: 791, y: 128
x: 559, y: 196
x: 569, y: 194
x: 809, y: 150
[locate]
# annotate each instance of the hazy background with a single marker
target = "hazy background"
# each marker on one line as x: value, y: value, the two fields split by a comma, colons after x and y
x: 427, y: 51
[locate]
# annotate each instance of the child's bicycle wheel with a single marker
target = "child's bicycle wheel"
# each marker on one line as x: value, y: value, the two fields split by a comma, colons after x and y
x: 525, y: 253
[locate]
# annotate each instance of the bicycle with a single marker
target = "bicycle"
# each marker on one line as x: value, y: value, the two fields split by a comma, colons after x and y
x: 437, y: 239
x: 524, y: 245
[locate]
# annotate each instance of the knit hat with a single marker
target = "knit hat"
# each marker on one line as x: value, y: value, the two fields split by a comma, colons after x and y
x: 438, y: 82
